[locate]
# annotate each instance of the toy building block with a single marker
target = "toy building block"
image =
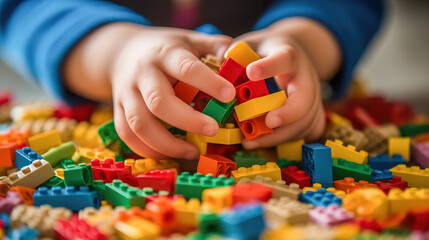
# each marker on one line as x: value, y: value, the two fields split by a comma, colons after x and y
x: 379, y: 175
x: 348, y: 153
x: 25, y: 193
x: 7, y: 154
x: 291, y: 150
x: 227, y: 151
x: 367, y: 203
x: 342, y: 168
x: 186, y: 212
x: 185, y: 92
x: 219, y: 111
x: 337, y: 192
x: 233, y: 72
x: 42, y: 142
x: 330, y: 216
x: 121, y: 194
x: 218, y: 198
x: 387, y: 185
x: 108, y: 134
x: 56, y: 154
x: 216, y: 165
x: 415, y: 176
x: 291, y: 175
x: 54, y: 181
x: 271, y: 85
x: 11, y: 201
x: 25, y: 156
x: 254, y: 127
x: 360, y: 117
x: 31, y: 110
x: 317, y: 162
x: 377, y: 138
x: 249, y: 192
x: 417, y: 220
x: 268, y: 170
x: 413, y: 129
x: 130, y: 225
x: 76, y: 228
x: 201, y: 101
x: 32, y: 175
x: 139, y: 166
x: 283, y: 163
x: 192, y: 186
x: 244, y: 159
x: 280, y: 188
x: 321, y: 198
x: 80, y: 112
x: 284, y: 210
x: 250, y: 90
x: 245, y: 222
x: 283, y: 232
x: 242, y: 54
x: 78, y: 175
x: 400, y: 113
x: 258, y: 106
x: 400, y: 145
x: 348, y: 135
x: 100, y: 187
x: 22, y: 233
x: 383, y: 161
x: 226, y: 135
x: 86, y: 134
x: 15, y: 136
x: 72, y: 198
x: 212, y: 62
x: 408, y: 200
x: 198, y: 140
x: 4, y: 187
x: 85, y: 155
x: 348, y: 184
x: 420, y: 152
x: 161, y: 212
x: 108, y: 170
x: 158, y: 180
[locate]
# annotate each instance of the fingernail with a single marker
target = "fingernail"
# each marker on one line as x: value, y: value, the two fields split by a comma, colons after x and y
x: 227, y: 93
x: 274, y: 121
x: 256, y: 72
x: 191, y: 155
x: 209, y: 130
x: 250, y: 144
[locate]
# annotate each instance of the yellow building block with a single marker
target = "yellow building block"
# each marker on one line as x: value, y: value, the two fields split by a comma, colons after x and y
x: 337, y: 120
x: 218, y: 198
x: 141, y: 166
x: 415, y: 176
x: 400, y: 145
x: 270, y: 170
x: 86, y: 135
x: 285, y: 232
x: 316, y: 186
x: 291, y: 150
x: 242, y: 54
x: 346, y: 232
x: 407, y: 200
x: 59, y: 172
x: 101, y: 116
x: 137, y: 228
x: 349, y: 153
x: 227, y: 135
x: 42, y: 142
x: 186, y: 212
x: 85, y: 155
x: 258, y: 106
x: 198, y: 141
x: 370, y: 203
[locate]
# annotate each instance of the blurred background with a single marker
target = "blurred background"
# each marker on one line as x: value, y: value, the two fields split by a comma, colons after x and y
x: 396, y: 65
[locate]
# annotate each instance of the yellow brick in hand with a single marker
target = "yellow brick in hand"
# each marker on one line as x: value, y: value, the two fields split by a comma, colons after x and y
x: 242, y: 54
x: 400, y: 145
x: 270, y: 170
x: 415, y: 176
x: 258, y: 106
x: 227, y: 136
x: 42, y: 142
x: 349, y: 153
x: 198, y: 141
x: 291, y: 150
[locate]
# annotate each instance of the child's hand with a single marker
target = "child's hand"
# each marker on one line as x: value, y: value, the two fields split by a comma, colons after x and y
x: 302, y: 116
x: 147, y: 66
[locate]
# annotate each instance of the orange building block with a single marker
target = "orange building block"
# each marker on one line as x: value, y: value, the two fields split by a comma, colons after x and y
x: 15, y: 136
x: 348, y: 184
x: 253, y: 128
x: 185, y: 92
x: 7, y: 155
x: 25, y: 193
x: 216, y: 165
x: 162, y: 213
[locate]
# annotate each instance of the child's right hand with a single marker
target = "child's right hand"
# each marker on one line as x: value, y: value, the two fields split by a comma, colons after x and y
x: 147, y: 65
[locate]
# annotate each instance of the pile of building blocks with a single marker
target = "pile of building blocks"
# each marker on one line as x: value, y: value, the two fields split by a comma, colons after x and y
x: 66, y: 174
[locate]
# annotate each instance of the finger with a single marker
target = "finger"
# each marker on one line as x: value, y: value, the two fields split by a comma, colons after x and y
x: 210, y: 44
x: 184, y: 66
x: 147, y: 128
x: 161, y: 101
x: 278, y: 62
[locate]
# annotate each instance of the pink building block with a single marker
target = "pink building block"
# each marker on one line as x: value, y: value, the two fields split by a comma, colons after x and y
x: 330, y: 216
x: 420, y: 153
x: 8, y: 203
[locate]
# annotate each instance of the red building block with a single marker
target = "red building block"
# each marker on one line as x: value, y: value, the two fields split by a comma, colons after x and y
x: 108, y: 170
x: 155, y: 198
x: 360, y: 118
x: 253, y: 128
x: 5, y: 97
x: 201, y: 101
x: 292, y: 174
x: 400, y: 113
x: 216, y: 165
x: 394, y: 182
x: 158, y: 180
x: 76, y: 228
x: 233, y: 72
x: 7, y: 154
x: 80, y: 112
x: 185, y: 92
x: 365, y: 224
x: 348, y: 184
x: 377, y: 108
x: 227, y: 151
x: 243, y: 193
x: 250, y: 90
x: 417, y: 220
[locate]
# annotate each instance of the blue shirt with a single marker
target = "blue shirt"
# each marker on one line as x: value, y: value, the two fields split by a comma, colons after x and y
x: 36, y: 35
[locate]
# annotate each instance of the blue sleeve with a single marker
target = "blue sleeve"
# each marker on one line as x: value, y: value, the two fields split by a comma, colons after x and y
x: 352, y: 22
x: 36, y: 36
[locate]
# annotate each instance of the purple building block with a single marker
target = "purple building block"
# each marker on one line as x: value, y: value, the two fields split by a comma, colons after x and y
x: 420, y: 153
x: 8, y: 203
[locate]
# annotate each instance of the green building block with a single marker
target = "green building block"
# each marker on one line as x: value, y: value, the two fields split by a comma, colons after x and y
x: 283, y: 163
x: 413, y: 129
x: 342, y: 168
x: 107, y: 133
x: 53, y: 182
x: 219, y: 111
x: 121, y: 194
x: 192, y: 186
x: 209, y: 228
x: 119, y: 157
x: 67, y: 163
x: 248, y: 159
x: 56, y: 154
x: 99, y: 186
x: 79, y: 175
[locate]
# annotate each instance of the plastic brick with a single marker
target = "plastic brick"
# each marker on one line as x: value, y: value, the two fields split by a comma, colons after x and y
x: 121, y: 194
x: 317, y: 162
x: 415, y: 176
x: 268, y: 170
x: 108, y: 170
x: 330, y: 216
x: 212, y: 62
x: 368, y: 203
x: 254, y: 127
x: 244, y: 159
x: 226, y: 135
x: 56, y: 154
x: 158, y: 180
x: 185, y: 92
x: 250, y: 192
x: 25, y: 156
x: 198, y: 140
x: 413, y: 129
x: 400, y: 145
x: 227, y: 151
x: 242, y: 54
x: 407, y: 200
x: 32, y: 175
x: 76, y: 228
x: 258, y: 106
x: 383, y: 161
x: 321, y: 198
x: 387, y: 185
x: 215, y: 165
x: 192, y: 186
x: 139, y: 166
x: 279, y: 211
x: 378, y: 175
x: 131, y: 225
x: 201, y: 101
x: 7, y: 155
x: 279, y: 187
x: 218, y: 198
x: 233, y: 72
x: 250, y: 90
x: 348, y: 184
x: 342, y: 168
x: 42, y: 142
x: 78, y: 175
x: 292, y: 174
x: 54, y: 181
x: 242, y: 223
x: 186, y: 212
x: 8, y: 203
x: 348, y: 153
x: 219, y: 111
x: 71, y: 197
x: 25, y: 193
x: 291, y: 151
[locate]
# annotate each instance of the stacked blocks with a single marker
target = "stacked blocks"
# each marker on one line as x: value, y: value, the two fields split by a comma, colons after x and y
x: 108, y: 170
x: 250, y: 90
x: 254, y: 127
x: 415, y: 176
x: 279, y: 188
x: 25, y: 156
x: 258, y: 106
x: 348, y: 153
x: 219, y: 111
x: 317, y: 162
x: 215, y: 165
x: 242, y: 54
x: 192, y: 186
x: 268, y: 170
x: 291, y: 174
x: 383, y: 161
x: 227, y: 135
x: 342, y: 168
x: 320, y: 198
x: 243, y: 223
x: 233, y: 72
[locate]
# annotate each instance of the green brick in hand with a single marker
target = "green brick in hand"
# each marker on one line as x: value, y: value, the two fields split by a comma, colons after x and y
x: 219, y: 111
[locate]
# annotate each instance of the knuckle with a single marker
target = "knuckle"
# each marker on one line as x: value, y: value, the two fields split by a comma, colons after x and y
x: 153, y: 101
x: 163, y: 51
x: 186, y: 67
x: 136, y: 124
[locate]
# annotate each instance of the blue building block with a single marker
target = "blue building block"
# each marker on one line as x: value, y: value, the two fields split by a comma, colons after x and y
x: 383, y: 161
x: 243, y: 223
x: 25, y: 156
x: 70, y: 197
x: 22, y: 233
x: 378, y: 175
x: 6, y: 220
x: 271, y: 85
x: 321, y: 198
x: 317, y: 162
